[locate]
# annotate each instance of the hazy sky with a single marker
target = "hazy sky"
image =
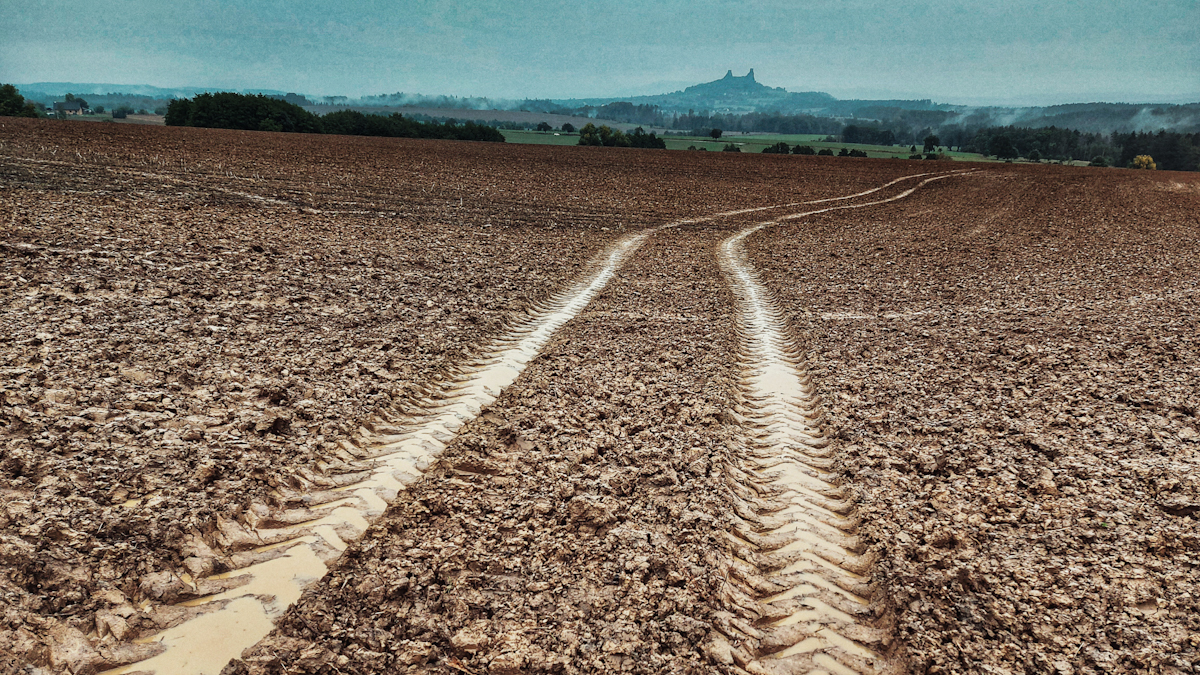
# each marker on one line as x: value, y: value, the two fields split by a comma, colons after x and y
x: 1002, y: 51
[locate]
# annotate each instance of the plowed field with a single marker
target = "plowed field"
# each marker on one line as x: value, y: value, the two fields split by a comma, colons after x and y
x: 287, y: 404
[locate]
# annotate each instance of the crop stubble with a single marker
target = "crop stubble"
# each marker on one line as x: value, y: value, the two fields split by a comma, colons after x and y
x: 374, y: 212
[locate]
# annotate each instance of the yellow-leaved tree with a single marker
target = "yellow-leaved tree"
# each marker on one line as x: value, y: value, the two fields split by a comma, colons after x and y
x: 1144, y: 162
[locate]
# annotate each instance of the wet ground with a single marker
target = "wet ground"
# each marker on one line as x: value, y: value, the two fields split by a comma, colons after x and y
x: 949, y: 423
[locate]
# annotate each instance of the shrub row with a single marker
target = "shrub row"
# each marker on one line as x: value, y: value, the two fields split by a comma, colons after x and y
x: 227, y: 110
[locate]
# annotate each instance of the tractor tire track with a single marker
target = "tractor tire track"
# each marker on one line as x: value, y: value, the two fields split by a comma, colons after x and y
x: 793, y: 537
x: 286, y: 550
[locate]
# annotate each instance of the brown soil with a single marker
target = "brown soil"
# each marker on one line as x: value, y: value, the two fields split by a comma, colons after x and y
x: 197, y: 319
x: 1010, y: 361
x: 194, y: 320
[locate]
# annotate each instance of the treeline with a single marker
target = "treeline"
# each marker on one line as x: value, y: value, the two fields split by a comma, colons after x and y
x: 1171, y: 150
x: 228, y: 110
x: 762, y: 122
x: 604, y: 135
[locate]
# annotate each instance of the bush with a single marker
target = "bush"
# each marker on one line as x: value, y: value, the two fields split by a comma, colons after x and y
x: 1098, y: 160
x: 1143, y: 162
x: 604, y: 135
x: 858, y: 153
x: 844, y: 153
x: 640, y: 139
x: 779, y: 148
x: 917, y: 156
x: 226, y: 110
x: 1035, y: 156
x: 803, y: 150
x: 730, y: 147
x: 99, y: 110
x: 825, y: 152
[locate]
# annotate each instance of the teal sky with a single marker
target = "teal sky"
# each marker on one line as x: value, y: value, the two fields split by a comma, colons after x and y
x: 996, y: 52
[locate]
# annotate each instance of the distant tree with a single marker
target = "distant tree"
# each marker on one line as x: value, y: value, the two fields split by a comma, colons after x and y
x: 640, y: 139
x: 604, y: 135
x: 589, y: 135
x: 99, y: 110
x: 544, y: 126
x: 715, y: 133
x: 931, y: 143
x: 1143, y: 162
x: 912, y: 149
x: 613, y: 138
x: 1098, y: 160
x: 70, y: 97
x: 568, y: 127
x: 83, y: 105
x: 803, y: 150
x: 730, y: 147
x: 779, y: 148
x: 13, y: 104
x: 1002, y: 147
x: 844, y: 153
x: 160, y: 110
x: 1035, y: 156
x: 825, y: 152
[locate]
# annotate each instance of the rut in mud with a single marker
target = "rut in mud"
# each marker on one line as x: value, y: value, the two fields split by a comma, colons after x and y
x: 795, y: 519
x: 793, y: 537
x: 390, y: 453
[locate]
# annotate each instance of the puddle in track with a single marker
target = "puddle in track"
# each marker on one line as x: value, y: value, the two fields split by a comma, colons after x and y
x: 804, y: 528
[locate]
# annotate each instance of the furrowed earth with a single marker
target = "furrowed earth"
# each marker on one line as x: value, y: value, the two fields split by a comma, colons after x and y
x: 211, y: 342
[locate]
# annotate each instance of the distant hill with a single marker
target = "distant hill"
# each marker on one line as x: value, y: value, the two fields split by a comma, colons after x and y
x: 729, y: 95
x: 733, y: 95
x: 41, y: 91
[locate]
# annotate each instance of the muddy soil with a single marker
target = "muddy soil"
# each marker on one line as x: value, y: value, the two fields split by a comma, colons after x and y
x: 1011, y: 363
x: 566, y: 529
x: 196, y: 322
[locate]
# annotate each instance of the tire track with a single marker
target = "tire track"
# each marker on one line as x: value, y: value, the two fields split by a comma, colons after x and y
x: 282, y: 552
x: 793, y: 537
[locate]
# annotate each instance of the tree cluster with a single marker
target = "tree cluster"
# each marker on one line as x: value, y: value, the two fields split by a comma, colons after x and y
x: 606, y: 136
x: 867, y: 135
x: 758, y: 122
x: 354, y: 123
x: 262, y: 113
x: 1172, y: 151
x: 13, y: 104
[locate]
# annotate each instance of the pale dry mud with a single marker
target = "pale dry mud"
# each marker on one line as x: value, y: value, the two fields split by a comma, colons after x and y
x: 1009, y: 367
